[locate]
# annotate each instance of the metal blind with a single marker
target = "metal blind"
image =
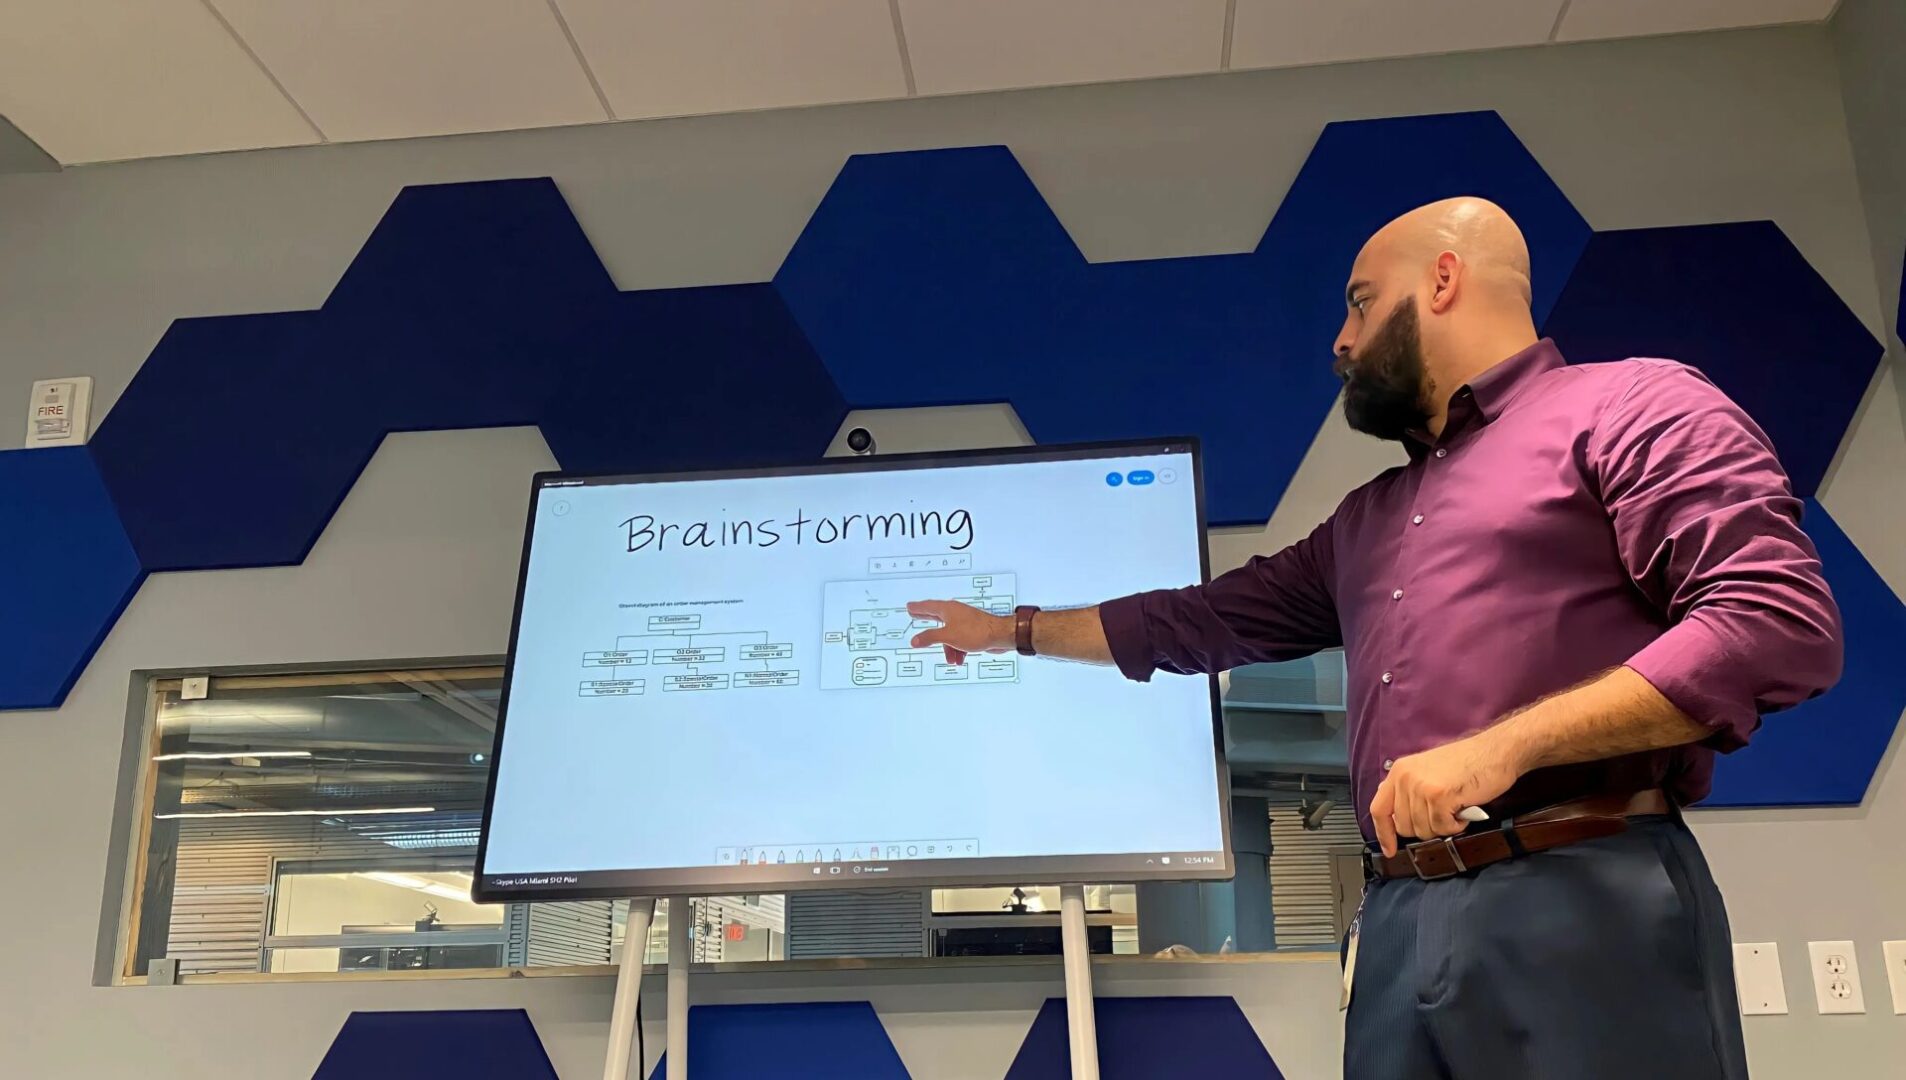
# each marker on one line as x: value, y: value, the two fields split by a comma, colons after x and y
x: 858, y: 922
x: 716, y: 912
x: 516, y: 935
x: 1303, y: 891
x: 562, y: 934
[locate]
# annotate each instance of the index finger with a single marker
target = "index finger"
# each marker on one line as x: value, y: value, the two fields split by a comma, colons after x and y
x: 1381, y: 807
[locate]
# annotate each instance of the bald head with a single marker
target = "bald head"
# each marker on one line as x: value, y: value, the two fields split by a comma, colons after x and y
x: 1435, y: 298
x: 1477, y: 231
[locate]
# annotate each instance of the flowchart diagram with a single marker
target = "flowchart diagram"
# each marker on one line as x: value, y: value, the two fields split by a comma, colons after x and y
x: 867, y: 631
x: 689, y: 659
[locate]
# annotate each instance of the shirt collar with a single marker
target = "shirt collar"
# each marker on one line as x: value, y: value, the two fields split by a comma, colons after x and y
x: 1488, y: 394
x: 1493, y: 390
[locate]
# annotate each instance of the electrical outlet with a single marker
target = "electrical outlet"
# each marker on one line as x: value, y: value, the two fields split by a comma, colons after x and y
x: 1896, y: 973
x: 1836, y: 977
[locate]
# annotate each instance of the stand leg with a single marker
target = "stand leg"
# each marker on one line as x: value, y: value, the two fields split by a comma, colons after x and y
x: 628, y: 987
x: 679, y: 914
x: 1081, y: 1024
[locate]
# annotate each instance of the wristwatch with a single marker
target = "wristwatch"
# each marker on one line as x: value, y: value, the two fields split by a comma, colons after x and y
x: 1022, y: 629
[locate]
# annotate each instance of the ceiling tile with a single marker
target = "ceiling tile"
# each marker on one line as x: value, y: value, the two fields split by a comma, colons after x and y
x: 961, y: 45
x: 1286, y: 33
x: 1589, y: 19
x: 100, y: 80
x: 681, y: 57
x: 373, y: 69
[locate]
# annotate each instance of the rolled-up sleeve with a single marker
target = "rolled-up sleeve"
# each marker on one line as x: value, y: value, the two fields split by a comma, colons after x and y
x: 1275, y: 607
x: 1709, y: 530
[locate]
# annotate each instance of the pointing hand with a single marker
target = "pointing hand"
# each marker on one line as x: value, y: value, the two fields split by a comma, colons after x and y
x: 963, y: 629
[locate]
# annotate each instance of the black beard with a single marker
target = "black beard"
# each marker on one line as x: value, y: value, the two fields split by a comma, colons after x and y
x: 1385, y: 389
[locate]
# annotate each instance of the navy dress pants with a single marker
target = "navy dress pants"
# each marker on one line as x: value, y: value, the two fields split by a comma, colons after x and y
x: 1608, y: 959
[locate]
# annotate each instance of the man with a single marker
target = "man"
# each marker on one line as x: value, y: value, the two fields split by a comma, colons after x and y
x: 1586, y: 581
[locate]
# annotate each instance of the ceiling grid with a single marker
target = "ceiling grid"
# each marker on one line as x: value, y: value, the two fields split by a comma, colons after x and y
x: 101, y: 80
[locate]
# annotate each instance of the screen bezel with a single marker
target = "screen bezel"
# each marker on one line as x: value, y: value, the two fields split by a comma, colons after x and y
x: 976, y: 872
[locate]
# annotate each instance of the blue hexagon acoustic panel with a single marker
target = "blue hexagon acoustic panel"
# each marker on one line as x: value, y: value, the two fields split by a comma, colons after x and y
x: 942, y: 277
x: 924, y: 278
x: 475, y: 1044
x: 66, y: 570
x: 472, y: 305
x: 1699, y: 294
x: 1147, y: 1037
x: 795, y: 1041
x: 290, y: 443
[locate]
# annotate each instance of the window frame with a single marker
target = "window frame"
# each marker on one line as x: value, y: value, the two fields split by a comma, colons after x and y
x: 148, y: 694
x: 118, y: 957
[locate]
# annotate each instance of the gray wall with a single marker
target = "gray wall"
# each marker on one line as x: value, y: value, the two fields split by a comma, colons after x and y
x: 1869, y: 38
x: 1869, y: 41
x: 95, y: 262
x: 1811, y: 875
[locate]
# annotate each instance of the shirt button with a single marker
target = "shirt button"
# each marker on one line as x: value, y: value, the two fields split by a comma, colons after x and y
x: 1442, y: 451
x: 1397, y: 595
x: 1389, y: 763
x: 1387, y: 677
x: 1417, y: 520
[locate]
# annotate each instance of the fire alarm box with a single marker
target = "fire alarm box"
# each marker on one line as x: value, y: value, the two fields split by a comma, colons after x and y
x: 58, y: 410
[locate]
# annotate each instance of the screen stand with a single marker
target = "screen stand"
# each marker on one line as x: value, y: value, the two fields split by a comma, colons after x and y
x: 1081, y: 1024
x: 628, y: 989
x: 680, y: 910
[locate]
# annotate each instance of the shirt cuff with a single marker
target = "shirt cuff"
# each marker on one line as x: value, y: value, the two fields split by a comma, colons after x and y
x: 1124, y: 622
x: 1689, y: 666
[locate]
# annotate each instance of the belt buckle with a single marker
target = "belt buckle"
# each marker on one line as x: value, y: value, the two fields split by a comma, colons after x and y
x: 1455, y: 858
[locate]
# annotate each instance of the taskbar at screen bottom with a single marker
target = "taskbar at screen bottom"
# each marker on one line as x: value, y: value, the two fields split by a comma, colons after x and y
x: 869, y: 874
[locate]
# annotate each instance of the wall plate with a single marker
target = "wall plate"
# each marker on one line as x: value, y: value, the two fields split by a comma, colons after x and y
x: 1757, y: 979
x: 1895, y: 952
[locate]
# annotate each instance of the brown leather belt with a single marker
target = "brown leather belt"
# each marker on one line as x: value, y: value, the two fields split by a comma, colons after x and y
x: 1552, y: 826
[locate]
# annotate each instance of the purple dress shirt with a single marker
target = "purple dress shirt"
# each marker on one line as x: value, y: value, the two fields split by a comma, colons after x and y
x: 1571, y: 519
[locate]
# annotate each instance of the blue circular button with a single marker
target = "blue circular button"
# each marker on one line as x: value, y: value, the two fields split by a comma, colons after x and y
x: 1114, y: 479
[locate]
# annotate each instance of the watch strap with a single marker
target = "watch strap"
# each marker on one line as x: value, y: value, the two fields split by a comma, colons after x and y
x: 1022, y: 629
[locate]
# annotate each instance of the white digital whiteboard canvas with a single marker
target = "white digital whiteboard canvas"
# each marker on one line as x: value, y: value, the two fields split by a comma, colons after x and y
x: 710, y: 684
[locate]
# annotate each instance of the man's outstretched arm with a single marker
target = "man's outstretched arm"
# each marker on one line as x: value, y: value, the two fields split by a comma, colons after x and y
x: 1077, y: 634
x: 1274, y: 607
